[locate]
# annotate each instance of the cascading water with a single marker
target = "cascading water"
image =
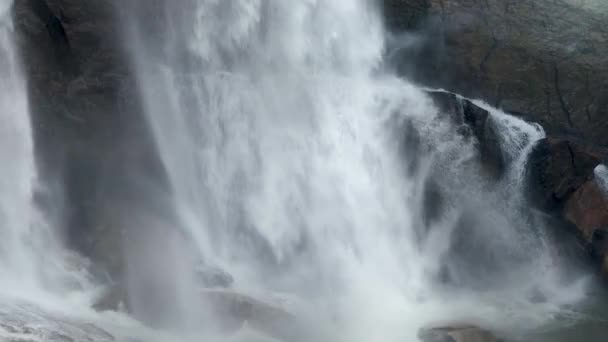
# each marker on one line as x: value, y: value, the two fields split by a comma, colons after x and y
x: 282, y: 137
x: 33, y: 267
x: 301, y: 173
x: 24, y: 229
x: 17, y: 177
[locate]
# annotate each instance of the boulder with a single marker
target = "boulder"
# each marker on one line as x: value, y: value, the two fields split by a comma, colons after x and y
x: 456, y: 333
x: 558, y: 167
x: 93, y: 152
x: 587, y: 209
x: 213, y: 277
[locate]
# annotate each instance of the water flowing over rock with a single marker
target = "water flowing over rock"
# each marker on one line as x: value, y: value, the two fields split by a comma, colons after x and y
x: 542, y: 59
x: 89, y: 135
x: 27, y: 323
x: 255, y: 170
x: 464, y: 112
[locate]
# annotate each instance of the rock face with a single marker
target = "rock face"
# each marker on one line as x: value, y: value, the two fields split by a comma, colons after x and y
x: 232, y: 310
x: 587, y: 209
x: 559, y: 167
x: 546, y: 60
x: 94, y: 149
x: 475, y: 122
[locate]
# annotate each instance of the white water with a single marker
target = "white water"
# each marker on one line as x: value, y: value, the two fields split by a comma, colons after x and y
x: 281, y: 136
x: 33, y: 266
x: 22, y: 264
x: 283, y: 140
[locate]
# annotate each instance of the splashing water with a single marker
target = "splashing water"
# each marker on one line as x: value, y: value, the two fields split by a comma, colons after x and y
x: 281, y: 137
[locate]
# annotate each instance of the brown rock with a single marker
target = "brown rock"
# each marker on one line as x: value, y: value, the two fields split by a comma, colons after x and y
x: 587, y: 209
x: 232, y: 309
x: 558, y: 167
x: 473, y: 121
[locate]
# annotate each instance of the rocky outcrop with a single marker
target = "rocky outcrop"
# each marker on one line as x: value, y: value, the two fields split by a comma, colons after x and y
x: 546, y: 60
x: 232, y: 310
x: 456, y: 333
x: 22, y: 322
x: 543, y: 60
x: 587, y: 209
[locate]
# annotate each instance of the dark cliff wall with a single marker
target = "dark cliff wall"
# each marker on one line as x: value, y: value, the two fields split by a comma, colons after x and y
x: 546, y: 60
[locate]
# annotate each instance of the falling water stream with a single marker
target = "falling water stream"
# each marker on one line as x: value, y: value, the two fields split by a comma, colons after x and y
x: 283, y: 140
x: 320, y: 182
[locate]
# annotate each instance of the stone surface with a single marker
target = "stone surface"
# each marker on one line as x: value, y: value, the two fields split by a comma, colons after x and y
x: 93, y: 145
x: 546, y: 60
x: 558, y: 167
x: 21, y: 322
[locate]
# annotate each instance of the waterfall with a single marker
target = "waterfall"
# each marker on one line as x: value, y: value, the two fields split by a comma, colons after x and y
x: 321, y: 194
x: 17, y: 178
x: 32, y: 262
x: 284, y: 142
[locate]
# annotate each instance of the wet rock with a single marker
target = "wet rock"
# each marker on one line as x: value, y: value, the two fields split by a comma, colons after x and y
x: 558, y: 167
x: 93, y: 152
x: 213, y: 277
x: 231, y: 310
x: 456, y: 334
x: 587, y: 209
x: 563, y: 182
x: 474, y: 121
x: 405, y: 14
